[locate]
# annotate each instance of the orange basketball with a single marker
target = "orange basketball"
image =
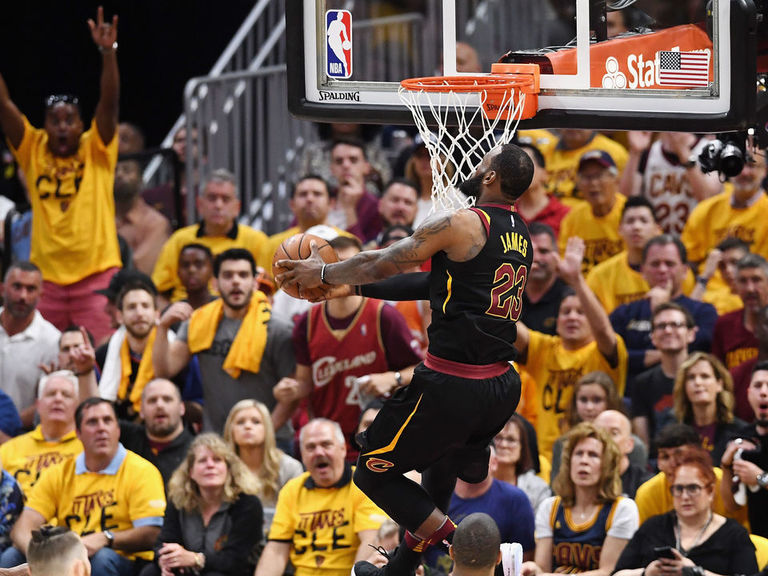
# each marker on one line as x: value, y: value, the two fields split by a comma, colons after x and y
x: 298, y: 247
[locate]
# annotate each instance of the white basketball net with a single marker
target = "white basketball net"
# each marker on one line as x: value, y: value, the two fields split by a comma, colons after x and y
x: 455, y: 152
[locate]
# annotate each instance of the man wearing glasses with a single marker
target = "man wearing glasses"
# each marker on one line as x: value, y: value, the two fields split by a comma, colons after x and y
x: 672, y: 331
x: 664, y: 268
x: 70, y: 175
x: 654, y: 497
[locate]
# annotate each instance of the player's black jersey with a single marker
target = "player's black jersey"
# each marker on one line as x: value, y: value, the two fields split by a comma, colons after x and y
x: 475, y: 304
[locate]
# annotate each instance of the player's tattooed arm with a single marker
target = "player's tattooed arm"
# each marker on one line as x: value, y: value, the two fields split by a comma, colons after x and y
x: 373, y: 265
x: 460, y: 235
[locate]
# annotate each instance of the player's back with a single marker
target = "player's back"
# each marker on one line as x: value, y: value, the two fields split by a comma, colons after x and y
x: 476, y: 303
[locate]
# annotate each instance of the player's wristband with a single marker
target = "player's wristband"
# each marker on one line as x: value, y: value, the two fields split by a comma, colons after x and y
x: 322, y: 275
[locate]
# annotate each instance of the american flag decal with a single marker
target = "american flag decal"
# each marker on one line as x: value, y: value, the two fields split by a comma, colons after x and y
x: 683, y: 68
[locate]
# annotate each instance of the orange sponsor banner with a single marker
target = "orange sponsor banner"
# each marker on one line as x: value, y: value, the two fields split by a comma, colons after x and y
x: 633, y: 61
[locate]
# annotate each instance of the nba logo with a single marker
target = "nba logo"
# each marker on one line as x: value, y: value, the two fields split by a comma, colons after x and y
x: 338, y: 39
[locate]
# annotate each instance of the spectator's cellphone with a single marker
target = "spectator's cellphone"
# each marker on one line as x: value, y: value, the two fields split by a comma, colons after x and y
x: 664, y: 552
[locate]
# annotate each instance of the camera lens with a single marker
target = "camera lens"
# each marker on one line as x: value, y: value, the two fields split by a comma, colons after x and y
x: 731, y: 160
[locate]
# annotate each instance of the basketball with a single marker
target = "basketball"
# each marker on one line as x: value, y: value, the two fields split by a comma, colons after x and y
x: 347, y: 44
x: 298, y: 247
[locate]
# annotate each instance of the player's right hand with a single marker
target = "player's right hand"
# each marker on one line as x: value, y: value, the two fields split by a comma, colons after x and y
x: 176, y: 312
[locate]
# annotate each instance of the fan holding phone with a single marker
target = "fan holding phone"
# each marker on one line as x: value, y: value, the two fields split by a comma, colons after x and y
x: 690, y: 540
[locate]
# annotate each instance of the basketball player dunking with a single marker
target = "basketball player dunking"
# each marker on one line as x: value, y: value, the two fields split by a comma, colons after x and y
x: 465, y: 391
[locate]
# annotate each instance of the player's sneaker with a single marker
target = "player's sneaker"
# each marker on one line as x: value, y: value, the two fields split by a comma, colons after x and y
x: 402, y: 562
x: 511, y: 560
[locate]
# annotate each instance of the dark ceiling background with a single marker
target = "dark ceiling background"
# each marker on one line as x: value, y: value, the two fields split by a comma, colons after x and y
x: 46, y: 47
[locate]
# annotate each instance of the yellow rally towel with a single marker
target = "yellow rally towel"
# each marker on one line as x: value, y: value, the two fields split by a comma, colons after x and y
x: 145, y: 374
x: 248, y: 348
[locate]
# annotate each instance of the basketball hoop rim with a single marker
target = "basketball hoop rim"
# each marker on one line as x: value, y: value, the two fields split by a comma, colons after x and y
x: 491, y: 83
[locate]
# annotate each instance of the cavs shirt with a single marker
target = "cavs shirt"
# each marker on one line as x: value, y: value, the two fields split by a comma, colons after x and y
x: 556, y: 370
x: 615, y: 282
x: 714, y: 220
x: 28, y: 455
x: 600, y: 233
x: 562, y: 166
x: 73, y: 207
x: 129, y: 493
x: 576, y: 547
x: 166, y: 272
x: 322, y: 524
x: 339, y: 357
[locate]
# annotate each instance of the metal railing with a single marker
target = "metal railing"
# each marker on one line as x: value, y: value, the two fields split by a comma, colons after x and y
x: 239, y: 109
x: 253, y: 45
x: 243, y: 124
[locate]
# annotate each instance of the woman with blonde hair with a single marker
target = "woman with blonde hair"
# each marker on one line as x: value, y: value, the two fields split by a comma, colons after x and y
x: 249, y: 432
x: 703, y: 398
x: 213, y: 517
x: 588, y: 523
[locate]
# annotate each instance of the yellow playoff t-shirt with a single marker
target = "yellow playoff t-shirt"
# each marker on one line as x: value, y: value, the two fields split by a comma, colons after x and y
x: 165, y: 275
x: 600, y: 234
x: 556, y: 370
x: 128, y: 494
x: 714, y: 220
x: 322, y: 524
x: 562, y: 166
x: 614, y: 282
x: 28, y: 455
x: 73, y: 207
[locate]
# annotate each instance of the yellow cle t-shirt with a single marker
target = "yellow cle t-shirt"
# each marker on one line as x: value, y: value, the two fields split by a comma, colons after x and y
x: 73, y: 207
x: 600, y: 234
x: 28, y: 455
x: 323, y: 523
x: 556, y: 370
x: 714, y: 220
x: 165, y: 275
x: 562, y: 166
x: 614, y: 282
x: 129, y: 493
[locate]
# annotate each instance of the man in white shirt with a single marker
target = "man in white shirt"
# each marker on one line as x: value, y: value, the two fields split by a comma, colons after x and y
x: 26, y: 339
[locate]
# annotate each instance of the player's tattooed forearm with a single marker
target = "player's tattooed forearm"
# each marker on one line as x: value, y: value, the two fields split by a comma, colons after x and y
x: 372, y: 265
